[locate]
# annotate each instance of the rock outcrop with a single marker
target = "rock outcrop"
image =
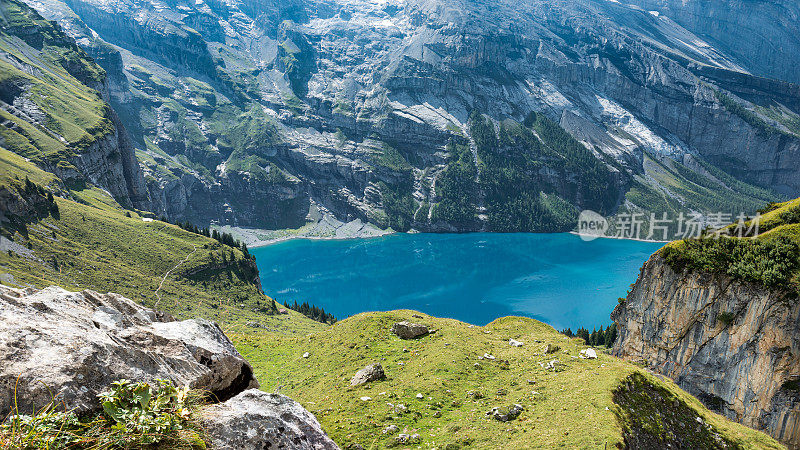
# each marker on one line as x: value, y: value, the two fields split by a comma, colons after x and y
x: 67, y: 347
x: 255, y: 419
x: 734, y: 345
x: 409, y: 330
x: 63, y: 346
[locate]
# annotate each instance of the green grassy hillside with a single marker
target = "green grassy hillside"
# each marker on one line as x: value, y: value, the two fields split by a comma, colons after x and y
x: 89, y: 241
x: 61, y: 115
x: 582, y: 403
x: 93, y: 243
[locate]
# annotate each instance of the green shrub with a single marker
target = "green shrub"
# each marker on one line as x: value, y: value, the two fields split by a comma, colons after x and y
x: 771, y: 263
x: 139, y: 409
x: 726, y: 318
x: 135, y: 415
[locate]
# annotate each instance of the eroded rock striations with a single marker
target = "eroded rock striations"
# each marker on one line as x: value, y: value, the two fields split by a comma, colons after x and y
x: 249, y: 113
x: 763, y: 35
x: 733, y: 345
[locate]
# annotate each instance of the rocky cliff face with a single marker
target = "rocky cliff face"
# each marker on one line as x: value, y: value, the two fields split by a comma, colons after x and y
x: 733, y: 345
x: 763, y: 35
x: 218, y: 96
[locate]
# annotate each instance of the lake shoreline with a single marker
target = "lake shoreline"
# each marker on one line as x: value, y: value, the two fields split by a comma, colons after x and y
x: 250, y: 235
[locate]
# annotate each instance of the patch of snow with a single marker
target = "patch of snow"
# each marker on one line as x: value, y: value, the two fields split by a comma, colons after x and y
x: 622, y: 118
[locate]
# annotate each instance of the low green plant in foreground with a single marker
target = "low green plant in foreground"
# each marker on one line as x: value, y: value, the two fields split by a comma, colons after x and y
x: 135, y: 415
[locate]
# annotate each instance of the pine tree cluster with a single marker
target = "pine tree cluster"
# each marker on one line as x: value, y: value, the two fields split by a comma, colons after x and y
x: 312, y: 312
x: 222, y: 238
x: 604, y: 337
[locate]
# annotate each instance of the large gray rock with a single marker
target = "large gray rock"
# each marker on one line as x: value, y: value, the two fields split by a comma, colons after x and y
x: 408, y: 330
x: 258, y: 420
x: 69, y: 346
x: 372, y: 372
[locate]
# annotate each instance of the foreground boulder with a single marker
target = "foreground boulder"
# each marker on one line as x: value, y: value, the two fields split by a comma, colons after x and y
x: 408, y: 330
x: 69, y: 346
x: 258, y: 420
x: 372, y: 372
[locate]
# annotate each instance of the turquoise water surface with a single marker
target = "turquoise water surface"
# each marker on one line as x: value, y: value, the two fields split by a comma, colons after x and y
x: 555, y: 278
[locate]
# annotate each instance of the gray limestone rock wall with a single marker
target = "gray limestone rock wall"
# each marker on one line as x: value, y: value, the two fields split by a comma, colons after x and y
x: 733, y: 345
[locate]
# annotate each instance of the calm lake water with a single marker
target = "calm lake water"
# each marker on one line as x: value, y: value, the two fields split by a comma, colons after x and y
x: 556, y: 278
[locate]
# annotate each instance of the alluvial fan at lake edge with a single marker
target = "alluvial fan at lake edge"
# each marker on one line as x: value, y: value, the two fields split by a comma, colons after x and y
x: 556, y: 278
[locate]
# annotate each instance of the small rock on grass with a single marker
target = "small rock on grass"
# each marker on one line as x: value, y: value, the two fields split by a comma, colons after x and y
x: 369, y: 373
x: 555, y: 365
x: 505, y: 414
x: 515, y: 343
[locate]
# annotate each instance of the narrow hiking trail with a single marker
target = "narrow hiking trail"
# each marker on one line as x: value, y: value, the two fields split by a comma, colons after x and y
x: 164, y: 278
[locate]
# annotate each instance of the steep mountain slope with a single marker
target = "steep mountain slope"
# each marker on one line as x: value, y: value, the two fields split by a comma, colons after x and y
x: 83, y: 239
x: 720, y: 317
x: 53, y: 108
x: 763, y: 35
x: 69, y: 188
x: 255, y: 113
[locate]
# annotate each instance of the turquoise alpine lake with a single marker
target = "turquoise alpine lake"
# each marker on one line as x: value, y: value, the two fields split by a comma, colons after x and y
x: 559, y: 279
